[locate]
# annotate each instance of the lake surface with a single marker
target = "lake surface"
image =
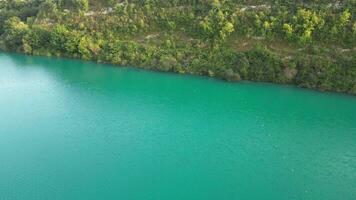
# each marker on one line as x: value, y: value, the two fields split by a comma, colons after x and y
x: 78, y: 130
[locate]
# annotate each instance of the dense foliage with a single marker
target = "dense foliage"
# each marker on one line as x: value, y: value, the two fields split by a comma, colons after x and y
x: 308, y: 43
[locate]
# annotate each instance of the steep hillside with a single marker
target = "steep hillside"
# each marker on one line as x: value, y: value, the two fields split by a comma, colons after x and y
x: 307, y: 43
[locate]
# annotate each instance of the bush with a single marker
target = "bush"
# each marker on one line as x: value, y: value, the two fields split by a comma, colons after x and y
x: 167, y: 63
x: 242, y: 65
x: 15, y: 30
x: 265, y: 65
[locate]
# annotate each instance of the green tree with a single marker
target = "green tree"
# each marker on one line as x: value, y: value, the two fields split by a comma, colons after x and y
x: 80, y: 5
x: 15, y: 30
x: 48, y: 9
x: 37, y: 39
x: 88, y: 48
x: 288, y: 29
x: 216, y: 25
x: 305, y: 23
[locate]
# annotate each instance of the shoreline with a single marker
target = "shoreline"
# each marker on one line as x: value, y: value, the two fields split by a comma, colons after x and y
x: 157, y: 70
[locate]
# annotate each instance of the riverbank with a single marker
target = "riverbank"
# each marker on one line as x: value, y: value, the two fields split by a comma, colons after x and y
x: 226, y: 40
x: 260, y: 65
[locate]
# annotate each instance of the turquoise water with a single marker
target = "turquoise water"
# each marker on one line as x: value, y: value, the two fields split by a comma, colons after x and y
x: 77, y: 130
